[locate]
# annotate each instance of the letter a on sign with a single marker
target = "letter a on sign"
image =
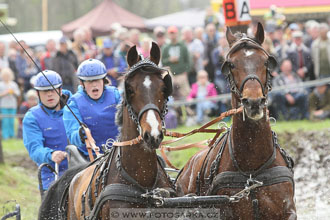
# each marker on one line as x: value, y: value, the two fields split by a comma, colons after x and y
x: 236, y: 12
x: 243, y: 10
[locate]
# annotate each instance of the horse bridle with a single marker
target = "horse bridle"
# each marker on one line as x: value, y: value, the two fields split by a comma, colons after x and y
x: 150, y: 106
x: 228, y: 66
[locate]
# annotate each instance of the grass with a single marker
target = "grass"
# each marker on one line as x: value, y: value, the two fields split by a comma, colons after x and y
x: 18, y: 183
x: 21, y: 185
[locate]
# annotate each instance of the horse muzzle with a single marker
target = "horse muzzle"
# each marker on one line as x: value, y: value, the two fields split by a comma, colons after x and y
x: 153, y: 142
x: 254, y: 108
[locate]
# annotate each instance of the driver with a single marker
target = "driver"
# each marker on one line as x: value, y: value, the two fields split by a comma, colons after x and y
x: 43, y: 129
x: 94, y: 104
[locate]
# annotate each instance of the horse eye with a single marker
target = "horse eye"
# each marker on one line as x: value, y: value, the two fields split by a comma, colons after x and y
x: 231, y: 66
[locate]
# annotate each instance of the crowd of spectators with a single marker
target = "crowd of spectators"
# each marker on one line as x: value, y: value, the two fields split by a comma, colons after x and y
x: 194, y: 56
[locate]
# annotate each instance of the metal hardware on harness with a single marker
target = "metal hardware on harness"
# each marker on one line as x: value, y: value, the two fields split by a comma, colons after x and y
x: 108, y: 144
x: 272, y: 119
x: 245, y: 192
x: 223, y: 124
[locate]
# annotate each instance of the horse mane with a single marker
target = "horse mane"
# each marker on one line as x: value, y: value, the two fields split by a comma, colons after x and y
x: 50, y: 206
x: 119, y: 117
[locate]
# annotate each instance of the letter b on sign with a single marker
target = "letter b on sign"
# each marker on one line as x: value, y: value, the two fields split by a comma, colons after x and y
x: 236, y: 12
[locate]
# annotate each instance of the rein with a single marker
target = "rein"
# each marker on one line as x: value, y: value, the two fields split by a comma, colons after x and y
x: 179, y: 136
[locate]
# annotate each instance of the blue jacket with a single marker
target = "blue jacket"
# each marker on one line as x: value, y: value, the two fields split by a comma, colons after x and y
x: 44, y: 133
x: 99, y: 116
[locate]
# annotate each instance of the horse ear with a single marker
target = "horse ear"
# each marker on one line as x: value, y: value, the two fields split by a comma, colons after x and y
x: 132, y: 56
x: 155, y: 53
x: 230, y: 37
x: 260, y: 34
x: 272, y: 63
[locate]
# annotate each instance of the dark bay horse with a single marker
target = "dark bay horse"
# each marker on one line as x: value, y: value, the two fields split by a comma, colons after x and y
x: 248, y: 153
x: 131, y: 167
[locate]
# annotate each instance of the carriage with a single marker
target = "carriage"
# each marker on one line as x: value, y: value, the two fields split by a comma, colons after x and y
x: 243, y: 172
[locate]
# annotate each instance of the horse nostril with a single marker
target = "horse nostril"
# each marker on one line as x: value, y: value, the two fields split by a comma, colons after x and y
x: 245, y: 101
x: 146, y: 137
x: 263, y: 101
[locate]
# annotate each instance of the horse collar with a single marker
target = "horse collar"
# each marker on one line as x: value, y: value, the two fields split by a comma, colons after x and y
x: 252, y: 173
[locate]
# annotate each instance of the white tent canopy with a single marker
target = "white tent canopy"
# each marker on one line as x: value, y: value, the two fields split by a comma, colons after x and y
x: 192, y: 17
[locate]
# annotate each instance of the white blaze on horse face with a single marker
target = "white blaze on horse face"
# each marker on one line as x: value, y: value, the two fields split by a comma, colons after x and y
x: 248, y: 53
x: 152, y: 121
x: 147, y: 82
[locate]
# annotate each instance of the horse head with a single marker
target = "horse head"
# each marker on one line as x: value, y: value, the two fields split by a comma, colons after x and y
x: 248, y: 68
x: 146, y: 90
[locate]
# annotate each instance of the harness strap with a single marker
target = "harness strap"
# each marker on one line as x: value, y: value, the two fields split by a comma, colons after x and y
x: 231, y: 179
x: 255, y: 205
x: 117, y: 192
x: 134, y: 141
x: 256, y: 172
x: 147, y: 107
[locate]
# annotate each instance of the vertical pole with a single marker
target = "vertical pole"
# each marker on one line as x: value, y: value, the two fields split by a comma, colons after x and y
x: 44, y: 15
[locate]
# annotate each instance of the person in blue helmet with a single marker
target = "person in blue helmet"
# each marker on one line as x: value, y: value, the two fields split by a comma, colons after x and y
x: 43, y: 129
x: 94, y: 104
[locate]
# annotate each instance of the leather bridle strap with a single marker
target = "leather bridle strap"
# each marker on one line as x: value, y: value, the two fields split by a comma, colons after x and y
x: 252, y: 77
x: 147, y: 107
x: 129, y: 142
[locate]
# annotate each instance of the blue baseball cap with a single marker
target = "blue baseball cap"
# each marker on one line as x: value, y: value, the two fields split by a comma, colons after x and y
x: 107, y: 43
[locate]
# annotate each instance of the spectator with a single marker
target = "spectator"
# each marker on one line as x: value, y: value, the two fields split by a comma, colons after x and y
x: 218, y: 57
x: 211, y: 39
x: 134, y: 38
x: 31, y: 100
x: 211, y: 18
x: 89, y: 42
x: 175, y: 55
x: 321, y: 53
x: 78, y: 45
x: 300, y: 57
x: 201, y: 90
x: 94, y: 104
x: 293, y: 102
x: 319, y: 103
x: 12, y: 55
x: 199, y: 33
x: 312, y: 32
x: 65, y: 63
x: 43, y: 130
x: 145, y: 47
x: 46, y: 58
x: 3, y: 59
x: 115, y: 65
x: 25, y: 67
x: 9, y: 92
x: 160, y: 36
x: 196, y: 51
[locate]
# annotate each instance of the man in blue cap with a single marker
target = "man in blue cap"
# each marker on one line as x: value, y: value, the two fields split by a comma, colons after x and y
x: 114, y: 65
x: 94, y: 104
x: 43, y: 129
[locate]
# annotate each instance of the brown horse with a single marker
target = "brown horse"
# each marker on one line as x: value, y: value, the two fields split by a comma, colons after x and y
x: 248, y: 153
x: 131, y: 167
